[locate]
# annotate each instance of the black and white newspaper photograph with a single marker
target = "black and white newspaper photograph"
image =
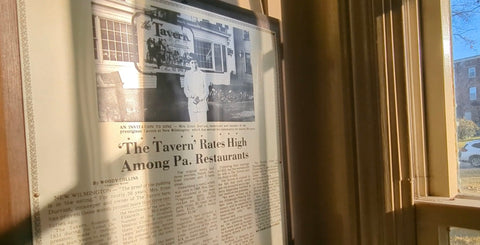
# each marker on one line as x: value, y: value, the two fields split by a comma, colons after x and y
x: 165, y: 66
x: 161, y: 123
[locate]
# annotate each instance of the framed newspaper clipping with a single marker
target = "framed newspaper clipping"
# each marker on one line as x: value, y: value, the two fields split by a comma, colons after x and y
x: 153, y: 122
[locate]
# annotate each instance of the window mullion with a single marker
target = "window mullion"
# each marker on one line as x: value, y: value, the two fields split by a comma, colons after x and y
x: 439, y: 99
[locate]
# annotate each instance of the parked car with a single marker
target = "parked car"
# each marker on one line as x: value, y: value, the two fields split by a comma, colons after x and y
x: 471, y: 153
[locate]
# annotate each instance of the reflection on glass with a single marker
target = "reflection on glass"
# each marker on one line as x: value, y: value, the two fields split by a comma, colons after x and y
x: 461, y: 236
x: 466, y: 55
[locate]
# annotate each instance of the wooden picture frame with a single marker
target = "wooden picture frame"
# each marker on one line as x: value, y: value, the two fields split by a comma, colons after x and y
x: 15, y: 225
x: 16, y: 203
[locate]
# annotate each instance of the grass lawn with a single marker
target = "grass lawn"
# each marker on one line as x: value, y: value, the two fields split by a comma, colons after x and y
x: 460, y: 236
x: 469, y: 180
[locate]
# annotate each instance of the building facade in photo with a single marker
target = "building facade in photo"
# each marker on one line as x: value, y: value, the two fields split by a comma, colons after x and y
x: 144, y: 53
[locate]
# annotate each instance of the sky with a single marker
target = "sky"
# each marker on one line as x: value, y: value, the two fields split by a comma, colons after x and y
x: 462, y: 50
x: 470, y: 29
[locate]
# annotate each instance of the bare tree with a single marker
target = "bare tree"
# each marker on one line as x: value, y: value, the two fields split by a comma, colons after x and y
x: 463, y: 14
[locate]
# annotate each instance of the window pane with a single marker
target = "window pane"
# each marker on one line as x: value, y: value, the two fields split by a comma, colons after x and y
x: 117, y: 26
x: 118, y: 41
x: 466, y: 58
x: 224, y: 57
x: 111, y: 36
x: 248, y: 63
x: 105, y: 55
x: 105, y: 45
x: 218, y: 58
x: 246, y: 36
x: 103, y: 23
x: 471, y: 72
x: 111, y: 45
x: 104, y: 35
x: 473, y: 93
x: 460, y: 236
x: 119, y: 56
x: 204, y: 54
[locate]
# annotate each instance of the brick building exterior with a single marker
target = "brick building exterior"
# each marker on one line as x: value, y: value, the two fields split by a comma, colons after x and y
x: 467, y: 88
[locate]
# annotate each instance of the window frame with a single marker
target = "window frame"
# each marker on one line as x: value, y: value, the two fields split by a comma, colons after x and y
x: 417, y: 124
x: 472, y: 73
x: 472, y: 93
x: 467, y: 115
x: 221, y: 56
x: 98, y: 41
x: 441, y: 206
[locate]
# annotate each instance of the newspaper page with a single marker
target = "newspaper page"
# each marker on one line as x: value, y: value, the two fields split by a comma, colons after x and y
x: 150, y: 122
